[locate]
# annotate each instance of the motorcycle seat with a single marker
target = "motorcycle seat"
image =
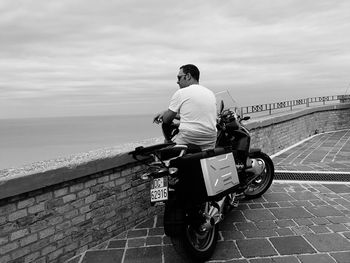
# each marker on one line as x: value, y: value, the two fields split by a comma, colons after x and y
x: 175, y: 150
x: 190, y: 157
x: 193, y: 148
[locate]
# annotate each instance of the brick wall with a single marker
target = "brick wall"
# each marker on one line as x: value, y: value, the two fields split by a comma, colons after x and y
x: 277, y: 133
x: 52, y: 216
x: 57, y: 222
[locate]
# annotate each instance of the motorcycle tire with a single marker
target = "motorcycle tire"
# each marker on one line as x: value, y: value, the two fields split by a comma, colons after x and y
x: 196, y: 245
x: 260, y: 185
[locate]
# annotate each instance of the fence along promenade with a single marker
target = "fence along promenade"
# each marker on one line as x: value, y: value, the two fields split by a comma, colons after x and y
x: 291, y: 104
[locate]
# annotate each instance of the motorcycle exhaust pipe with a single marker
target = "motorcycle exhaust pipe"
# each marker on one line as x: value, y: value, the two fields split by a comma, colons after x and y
x: 214, y: 216
x: 209, y: 223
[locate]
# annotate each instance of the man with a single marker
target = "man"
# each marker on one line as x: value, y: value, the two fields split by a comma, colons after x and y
x: 195, y: 106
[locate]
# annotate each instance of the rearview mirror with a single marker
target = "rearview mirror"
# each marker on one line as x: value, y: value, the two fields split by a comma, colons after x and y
x: 222, y: 105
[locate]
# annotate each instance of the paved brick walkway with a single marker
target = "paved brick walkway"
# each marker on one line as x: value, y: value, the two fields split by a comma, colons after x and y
x: 290, y: 223
x: 294, y: 222
x: 323, y: 152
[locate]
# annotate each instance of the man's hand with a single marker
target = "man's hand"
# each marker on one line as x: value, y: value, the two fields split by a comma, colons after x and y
x: 166, y: 117
x: 158, y: 118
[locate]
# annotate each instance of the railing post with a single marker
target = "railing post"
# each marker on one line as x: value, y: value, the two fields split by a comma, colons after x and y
x: 291, y: 105
x: 307, y: 102
x: 270, y: 109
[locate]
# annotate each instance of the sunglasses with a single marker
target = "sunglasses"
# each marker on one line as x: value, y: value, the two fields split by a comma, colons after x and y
x: 179, y: 77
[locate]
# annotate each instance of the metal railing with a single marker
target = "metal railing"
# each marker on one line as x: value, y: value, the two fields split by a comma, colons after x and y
x: 291, y: 104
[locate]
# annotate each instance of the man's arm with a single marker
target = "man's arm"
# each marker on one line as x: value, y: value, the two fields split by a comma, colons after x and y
x: 166, y: 116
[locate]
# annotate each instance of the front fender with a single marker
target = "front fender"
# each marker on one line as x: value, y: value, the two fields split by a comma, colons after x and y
x: 254, y: 151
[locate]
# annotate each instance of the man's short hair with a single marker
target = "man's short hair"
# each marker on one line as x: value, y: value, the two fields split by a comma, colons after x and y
x: 192, y: 69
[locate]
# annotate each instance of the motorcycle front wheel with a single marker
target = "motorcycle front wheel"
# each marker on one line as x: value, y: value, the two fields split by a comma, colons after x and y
x: 260, y: 185
x: 194, y: 243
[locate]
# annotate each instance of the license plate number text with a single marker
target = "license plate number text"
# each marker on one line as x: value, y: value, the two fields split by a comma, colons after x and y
x: 159, y: 190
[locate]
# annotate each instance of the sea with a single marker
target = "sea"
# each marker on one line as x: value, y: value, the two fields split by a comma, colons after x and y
x: 24, y: 141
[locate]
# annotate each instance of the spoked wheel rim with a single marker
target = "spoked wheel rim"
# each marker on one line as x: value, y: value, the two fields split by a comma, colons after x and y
x: 200, y: 240
x: 261, y: 182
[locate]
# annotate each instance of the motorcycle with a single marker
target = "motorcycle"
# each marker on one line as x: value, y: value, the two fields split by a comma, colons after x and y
x: 199, y: 187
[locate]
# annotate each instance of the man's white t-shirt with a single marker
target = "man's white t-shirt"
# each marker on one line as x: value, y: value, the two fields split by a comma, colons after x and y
x: 196, y: 106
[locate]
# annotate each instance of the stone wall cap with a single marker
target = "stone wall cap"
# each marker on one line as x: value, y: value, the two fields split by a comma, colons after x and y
x: 285, y: 116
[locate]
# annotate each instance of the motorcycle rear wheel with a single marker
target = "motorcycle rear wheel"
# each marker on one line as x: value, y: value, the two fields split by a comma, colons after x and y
x: 192, y: 243
x: 260, y: 185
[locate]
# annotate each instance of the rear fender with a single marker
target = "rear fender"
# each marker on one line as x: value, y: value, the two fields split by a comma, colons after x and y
x: 253, y: 151
x: 174, y: 218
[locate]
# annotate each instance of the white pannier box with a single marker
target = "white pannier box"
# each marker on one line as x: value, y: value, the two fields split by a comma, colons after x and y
x: 219, y: 173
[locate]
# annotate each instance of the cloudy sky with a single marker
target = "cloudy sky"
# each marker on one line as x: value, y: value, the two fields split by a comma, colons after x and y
x: 82, y: 57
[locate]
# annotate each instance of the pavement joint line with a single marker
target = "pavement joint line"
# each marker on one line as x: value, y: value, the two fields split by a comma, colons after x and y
x: 302, y: 141
x: 335, y: 146
x: 309, y: 182
x: 334, y: 131
x: 82, y: 257
x: 311, y: 172
x: 317, y: 165
x: 292, y: 146
x: 310, y: 244
x: 304, y: 148
x: 155, y: 219
x: 124, y: 252
x: 163, y: 254
x: 318, y: 146
x: 341, y: 147
x: 272, y: 245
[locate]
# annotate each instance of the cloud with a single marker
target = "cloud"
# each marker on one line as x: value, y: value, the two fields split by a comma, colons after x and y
x: 79, y: 54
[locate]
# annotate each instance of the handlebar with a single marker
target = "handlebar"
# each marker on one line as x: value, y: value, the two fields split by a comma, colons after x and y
x: 227, y: 114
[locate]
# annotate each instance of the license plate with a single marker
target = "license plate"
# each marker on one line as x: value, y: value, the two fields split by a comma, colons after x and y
x: 159, y: 189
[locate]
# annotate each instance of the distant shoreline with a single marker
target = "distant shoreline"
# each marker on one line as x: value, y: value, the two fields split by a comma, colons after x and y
x: 75, y: 159
x: 76, y: 116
